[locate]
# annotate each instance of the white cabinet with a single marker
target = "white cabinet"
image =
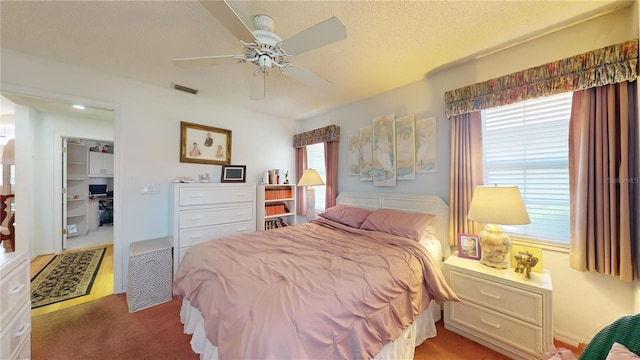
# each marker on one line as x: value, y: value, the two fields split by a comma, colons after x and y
x: 202, y: 212
x: 276, y: 206
x: 499, y: 308
x: 100, y: 164
x: 15, y: 306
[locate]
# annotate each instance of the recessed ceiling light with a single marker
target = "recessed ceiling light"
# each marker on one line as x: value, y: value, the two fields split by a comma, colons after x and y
x: 78, y: 106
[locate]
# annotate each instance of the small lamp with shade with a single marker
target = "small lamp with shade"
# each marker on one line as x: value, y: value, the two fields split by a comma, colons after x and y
x: 310, y: 178
x: 496, y: 206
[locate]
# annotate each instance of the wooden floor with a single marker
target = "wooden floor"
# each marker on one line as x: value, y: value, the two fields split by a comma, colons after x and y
x: 102, y: 286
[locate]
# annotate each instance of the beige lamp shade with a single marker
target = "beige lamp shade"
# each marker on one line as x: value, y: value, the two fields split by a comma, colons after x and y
x: 310, y: 177
x: 498, y: 205
x: 9, y: 153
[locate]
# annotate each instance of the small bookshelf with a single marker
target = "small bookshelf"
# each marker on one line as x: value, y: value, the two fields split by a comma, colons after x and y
x: 276, y: 206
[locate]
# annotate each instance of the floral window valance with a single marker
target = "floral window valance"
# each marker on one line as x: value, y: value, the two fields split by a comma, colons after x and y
x: 609, y: 65
x: 325, y: 134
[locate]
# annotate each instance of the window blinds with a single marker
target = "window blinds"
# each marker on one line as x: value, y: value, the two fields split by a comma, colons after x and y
x: 315, y: 160
x: 526, y: 144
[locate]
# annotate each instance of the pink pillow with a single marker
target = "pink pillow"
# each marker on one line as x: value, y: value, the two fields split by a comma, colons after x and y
x: 620, y: 352
x: 346, y: 215
x: 405, y: 224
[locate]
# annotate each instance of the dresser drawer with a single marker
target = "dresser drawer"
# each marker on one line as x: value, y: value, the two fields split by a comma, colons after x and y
x: 215, y: 195
x: 14, y: 291
x: 191, y: 237
x: 499, y: 328
x: 16, y: 333
x: 509, y: 300
x: 214, y: 216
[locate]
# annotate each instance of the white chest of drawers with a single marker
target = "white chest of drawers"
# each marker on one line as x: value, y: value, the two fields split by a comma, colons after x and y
x: 15, y: 306
x: 202, y: 212
x: 500, y: 308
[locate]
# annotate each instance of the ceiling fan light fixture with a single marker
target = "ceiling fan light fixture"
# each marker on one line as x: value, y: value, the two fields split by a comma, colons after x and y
x: 265, y: 63
x: 266, y: 50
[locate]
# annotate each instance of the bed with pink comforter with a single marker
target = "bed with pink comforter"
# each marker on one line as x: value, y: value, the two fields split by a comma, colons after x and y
x: 315, y: 290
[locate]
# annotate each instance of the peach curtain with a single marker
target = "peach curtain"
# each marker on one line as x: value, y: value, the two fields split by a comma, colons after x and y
x: 466, y: 172
x: 331, y: 169
x: 603, y: 150
x: 301, y: 195
x: 330, y: 136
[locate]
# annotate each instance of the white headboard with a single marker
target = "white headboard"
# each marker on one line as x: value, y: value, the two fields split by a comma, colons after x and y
x: 428, y: 204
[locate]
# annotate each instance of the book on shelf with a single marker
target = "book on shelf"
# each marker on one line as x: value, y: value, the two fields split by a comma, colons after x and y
x: 275, y: 223
x: 278, y: 193
x: 275, y: 209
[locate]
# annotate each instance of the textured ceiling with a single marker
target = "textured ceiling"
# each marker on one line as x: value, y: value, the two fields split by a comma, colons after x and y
x: 389, y: 43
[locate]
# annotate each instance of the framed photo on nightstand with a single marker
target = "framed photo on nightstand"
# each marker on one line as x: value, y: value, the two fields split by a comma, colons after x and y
x: 469, y: 246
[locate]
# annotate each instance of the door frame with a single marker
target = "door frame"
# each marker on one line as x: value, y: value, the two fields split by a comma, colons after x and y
x: 25, y: 197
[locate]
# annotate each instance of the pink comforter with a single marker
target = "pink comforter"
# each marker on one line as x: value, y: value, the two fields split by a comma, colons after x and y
x: 318, y: 290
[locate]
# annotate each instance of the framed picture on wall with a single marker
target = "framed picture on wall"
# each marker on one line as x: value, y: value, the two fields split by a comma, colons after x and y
x: 204, y: 144
x: 469, y: 246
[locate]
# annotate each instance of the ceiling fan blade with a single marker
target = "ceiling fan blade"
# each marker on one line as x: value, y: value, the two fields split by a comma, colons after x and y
x: 259, y: 85
x: 205, y: 61
x: 228, y: 17
x: 319, y: 35
x: 307, y: 77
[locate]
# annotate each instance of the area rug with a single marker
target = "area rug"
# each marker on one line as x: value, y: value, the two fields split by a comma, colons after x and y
x: 65, y: 277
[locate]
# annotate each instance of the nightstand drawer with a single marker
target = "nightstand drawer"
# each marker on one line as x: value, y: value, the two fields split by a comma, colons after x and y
x: 492, y: 325
x: 524, y: 305
x: 215, y: 216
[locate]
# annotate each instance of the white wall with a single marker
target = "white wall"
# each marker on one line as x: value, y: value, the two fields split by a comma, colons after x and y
x: 146, y: 142
x: 413, y: 99
x: 583, y: 302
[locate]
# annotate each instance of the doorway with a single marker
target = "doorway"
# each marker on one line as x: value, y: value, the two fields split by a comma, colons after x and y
x: 40, y: 125
x: 87, y: 196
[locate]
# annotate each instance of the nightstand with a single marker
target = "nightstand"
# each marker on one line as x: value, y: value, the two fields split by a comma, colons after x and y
x: 499, y: 308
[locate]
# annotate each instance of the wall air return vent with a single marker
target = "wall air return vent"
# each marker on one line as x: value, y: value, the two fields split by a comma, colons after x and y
x: 184, y: 88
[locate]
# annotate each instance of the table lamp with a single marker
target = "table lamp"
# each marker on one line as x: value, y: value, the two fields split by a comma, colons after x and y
x: 9, y: 153
x: 496, y: 206
x: 310, y: 178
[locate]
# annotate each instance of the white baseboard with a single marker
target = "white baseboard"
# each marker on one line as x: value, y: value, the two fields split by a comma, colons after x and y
x: 568, y: 338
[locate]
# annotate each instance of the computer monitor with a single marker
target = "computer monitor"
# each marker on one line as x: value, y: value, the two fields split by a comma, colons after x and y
x: 97, y: 190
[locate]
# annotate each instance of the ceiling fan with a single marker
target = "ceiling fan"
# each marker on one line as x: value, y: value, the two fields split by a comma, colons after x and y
x: 267, y: 50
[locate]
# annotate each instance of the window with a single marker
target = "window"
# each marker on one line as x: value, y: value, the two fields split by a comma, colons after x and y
x: 526, y: 144
x: 315, y: 160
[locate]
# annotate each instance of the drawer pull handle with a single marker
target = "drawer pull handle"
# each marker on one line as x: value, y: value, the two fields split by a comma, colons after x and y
x: 195, y: 219
x: 497, y: 326
x: 495, y: 296
x: 242, y: 194
x: 16, y: 290
x: 195, y: 236
x: 23, y: 330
